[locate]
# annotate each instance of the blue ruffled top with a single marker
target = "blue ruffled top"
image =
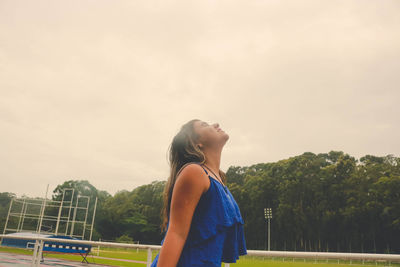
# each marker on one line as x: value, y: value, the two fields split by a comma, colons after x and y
x: 216, y: 233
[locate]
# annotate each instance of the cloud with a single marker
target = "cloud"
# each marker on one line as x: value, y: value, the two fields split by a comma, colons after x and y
x: 96, y: 90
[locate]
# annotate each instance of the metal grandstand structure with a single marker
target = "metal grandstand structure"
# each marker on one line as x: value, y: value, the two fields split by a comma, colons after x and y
x: 66, y: 217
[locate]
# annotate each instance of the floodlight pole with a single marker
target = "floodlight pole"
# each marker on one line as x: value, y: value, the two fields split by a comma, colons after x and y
x: 269, y: 234
x: 268, y: 215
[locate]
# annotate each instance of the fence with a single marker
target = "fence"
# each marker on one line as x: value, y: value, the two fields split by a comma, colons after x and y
x: 37, y: 253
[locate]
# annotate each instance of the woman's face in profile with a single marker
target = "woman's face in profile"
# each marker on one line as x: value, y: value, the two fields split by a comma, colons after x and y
x: 210, y: 134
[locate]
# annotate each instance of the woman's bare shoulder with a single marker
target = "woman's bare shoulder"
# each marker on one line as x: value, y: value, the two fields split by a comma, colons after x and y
x: 193, y: 174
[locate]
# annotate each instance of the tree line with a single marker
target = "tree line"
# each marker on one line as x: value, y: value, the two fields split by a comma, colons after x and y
x: 320, y: 202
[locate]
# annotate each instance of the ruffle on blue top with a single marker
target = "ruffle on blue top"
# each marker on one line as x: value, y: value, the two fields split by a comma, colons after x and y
x: 216, y: 234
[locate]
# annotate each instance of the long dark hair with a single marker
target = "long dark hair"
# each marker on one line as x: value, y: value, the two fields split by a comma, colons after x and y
x: 183, y: 150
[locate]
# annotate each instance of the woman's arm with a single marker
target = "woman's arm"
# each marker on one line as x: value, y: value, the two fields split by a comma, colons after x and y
x: 188, y: 188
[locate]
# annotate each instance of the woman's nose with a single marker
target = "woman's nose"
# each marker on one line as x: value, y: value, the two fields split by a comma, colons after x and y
x: 216, y: 125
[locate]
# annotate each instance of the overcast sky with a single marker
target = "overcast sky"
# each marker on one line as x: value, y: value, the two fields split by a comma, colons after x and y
x: 96, y: 90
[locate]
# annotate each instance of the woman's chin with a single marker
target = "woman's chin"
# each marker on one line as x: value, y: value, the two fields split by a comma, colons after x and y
x: 226, y: 137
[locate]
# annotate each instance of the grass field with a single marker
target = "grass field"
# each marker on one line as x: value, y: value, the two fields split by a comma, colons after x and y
x: 110, y: 256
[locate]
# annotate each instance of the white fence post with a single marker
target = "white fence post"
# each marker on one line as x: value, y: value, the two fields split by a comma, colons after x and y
x: 40, y: 256
x: 37, y: 253
x: 149, y: 256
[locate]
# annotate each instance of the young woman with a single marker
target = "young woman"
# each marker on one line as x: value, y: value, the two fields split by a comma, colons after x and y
x: 202, y: 220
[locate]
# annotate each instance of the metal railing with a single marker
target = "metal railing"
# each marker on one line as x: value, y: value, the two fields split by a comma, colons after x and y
x: 38, y: 249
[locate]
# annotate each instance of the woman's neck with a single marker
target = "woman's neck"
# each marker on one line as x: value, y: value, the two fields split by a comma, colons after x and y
x: 213, y: 159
